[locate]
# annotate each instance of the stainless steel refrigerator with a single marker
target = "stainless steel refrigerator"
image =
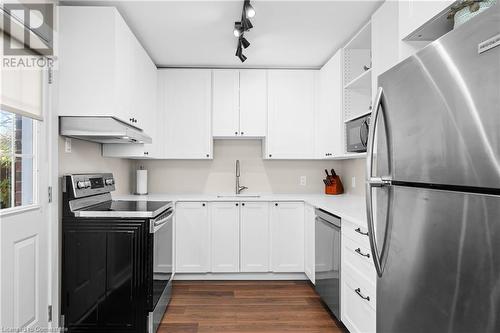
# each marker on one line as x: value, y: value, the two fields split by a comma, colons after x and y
x: 433, y: 185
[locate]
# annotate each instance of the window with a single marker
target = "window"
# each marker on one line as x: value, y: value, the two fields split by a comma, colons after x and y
x: 17, y: 160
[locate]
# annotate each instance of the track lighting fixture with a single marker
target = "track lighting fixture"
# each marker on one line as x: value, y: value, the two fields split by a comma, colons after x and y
x: 238, y: 29
x: 241, y: 27
x: 249, y: 11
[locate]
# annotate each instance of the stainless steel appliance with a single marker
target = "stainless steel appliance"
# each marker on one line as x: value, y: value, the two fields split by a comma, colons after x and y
x: 101, y: 129
x: 433, y: 185
x: 357, y: 134
x: 117, y: 258
x: 327, y: 259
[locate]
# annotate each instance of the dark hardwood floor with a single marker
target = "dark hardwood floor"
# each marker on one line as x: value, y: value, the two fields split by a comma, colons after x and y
x: 246, y: 306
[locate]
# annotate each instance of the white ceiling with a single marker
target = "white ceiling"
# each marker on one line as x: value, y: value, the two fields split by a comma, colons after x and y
x: 290, y: 34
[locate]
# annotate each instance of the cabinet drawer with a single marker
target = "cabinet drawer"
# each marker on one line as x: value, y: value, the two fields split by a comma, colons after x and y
x: 359, y: 256
x: 359, y: 303
x: 356, y: 233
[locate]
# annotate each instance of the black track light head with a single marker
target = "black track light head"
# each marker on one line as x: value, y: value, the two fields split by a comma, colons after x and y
x: 239, y: 51
x: 244, y: 42
x: 249, y: 10
x: 246, y: 24
x: 242, y: 57
x: 238, y: 29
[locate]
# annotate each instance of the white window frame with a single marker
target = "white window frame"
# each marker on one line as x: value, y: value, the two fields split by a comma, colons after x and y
x: 35, y: 172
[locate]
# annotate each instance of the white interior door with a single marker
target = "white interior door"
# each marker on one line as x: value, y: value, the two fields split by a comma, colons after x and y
x: 24, y: 248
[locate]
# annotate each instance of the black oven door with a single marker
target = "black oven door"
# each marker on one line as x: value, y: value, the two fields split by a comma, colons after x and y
x: 357, y: 134
x: 161, y: 231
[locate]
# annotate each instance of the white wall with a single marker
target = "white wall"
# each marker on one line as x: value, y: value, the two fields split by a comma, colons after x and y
x: 354, y: 168
x: 218, y: 175
x: 85, y: 157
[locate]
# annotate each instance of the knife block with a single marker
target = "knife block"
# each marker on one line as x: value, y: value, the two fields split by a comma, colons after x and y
x: 336, y: 186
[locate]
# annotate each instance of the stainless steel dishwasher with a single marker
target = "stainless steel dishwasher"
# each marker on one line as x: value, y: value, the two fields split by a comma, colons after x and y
x: 327, y: 259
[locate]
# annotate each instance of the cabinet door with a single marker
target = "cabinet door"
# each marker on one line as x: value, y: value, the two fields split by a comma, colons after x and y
x: 329, y: 133
x: 291, y: 114
x: 225, y: 240
x: 287, y: 237
x: 186, y: 105
x: 225, y: 103
x: 309, y: 253
x: 192, y: 233
x: 254, y: 235
x: 253, y: 103
x: 415, y: 13
x: 385, y: 40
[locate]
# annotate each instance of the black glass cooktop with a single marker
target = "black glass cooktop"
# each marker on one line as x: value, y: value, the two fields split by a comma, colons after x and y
x: 128, y: 206
x: 125, y: 209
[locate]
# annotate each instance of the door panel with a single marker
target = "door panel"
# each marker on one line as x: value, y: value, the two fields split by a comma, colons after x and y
x: 442, y: 263
x: 442, y: 109
x: 253, y: 103
x: 225, y: 94
x: 192, y: 232
x: 254, y: 224
x: 225, y: 240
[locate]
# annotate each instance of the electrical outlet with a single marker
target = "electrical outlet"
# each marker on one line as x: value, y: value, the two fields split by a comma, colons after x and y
x: 303, y: 180
x: 353, y: 182
x: 67, y: 145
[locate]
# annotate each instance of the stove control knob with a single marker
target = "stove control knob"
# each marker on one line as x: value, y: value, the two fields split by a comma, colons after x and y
x: 80, y: 184
x: 87, y: 184
x: 109, y: 181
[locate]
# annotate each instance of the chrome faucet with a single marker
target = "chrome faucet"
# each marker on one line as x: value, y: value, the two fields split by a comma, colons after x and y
x: 238, y: 187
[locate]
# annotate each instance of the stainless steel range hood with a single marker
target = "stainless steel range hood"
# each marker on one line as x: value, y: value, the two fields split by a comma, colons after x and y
x: 101, y: 129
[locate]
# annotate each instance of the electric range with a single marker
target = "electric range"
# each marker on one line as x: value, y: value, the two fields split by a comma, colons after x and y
x: 117, y: 258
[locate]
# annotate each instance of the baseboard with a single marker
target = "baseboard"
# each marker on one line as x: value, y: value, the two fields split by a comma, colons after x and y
x: 240, y: 276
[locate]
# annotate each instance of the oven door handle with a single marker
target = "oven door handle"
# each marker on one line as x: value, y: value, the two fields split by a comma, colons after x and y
x: 155, y: 225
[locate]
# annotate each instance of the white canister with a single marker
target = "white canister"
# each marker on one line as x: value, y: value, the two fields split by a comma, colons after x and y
x: 142, y: 182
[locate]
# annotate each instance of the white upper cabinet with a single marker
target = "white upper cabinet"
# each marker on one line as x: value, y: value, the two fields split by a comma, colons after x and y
x: 225, y: 240
x: 414, y: 13
x: 185, y: 107
x: 329, y: 132
x: 239, y: 103
x: 287, y: 237
x: 225, y: 92
x: 253, y: 103
x: 291, y: 102
x: 101, y: 66
x: 254, y: 246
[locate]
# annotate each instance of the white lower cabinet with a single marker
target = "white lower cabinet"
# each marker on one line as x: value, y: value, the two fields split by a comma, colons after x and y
x: 309, y: 252
x: 358, y: 281
x: 287, y: 237
x: 192, y: 235
x: 254, y: 237
x: 225, y: 237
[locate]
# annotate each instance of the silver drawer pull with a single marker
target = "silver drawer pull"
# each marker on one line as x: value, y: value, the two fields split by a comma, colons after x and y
x: 358, y: 251
x: 358, y: 230
x: 358, y: 291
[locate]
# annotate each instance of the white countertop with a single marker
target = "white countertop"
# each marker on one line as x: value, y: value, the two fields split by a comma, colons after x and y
x: 349, y: 207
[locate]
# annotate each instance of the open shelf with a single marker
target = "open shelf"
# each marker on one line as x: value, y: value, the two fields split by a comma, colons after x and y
x: 357, y: 116
x: 361, y: 40
x: 362, y: 81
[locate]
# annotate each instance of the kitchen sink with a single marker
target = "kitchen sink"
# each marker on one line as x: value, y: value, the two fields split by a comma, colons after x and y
x: 238, y: 196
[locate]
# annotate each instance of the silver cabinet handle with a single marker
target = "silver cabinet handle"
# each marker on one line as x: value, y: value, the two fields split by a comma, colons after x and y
x: 358, y: 230
x: 358, y: 291
x: 358, y: 251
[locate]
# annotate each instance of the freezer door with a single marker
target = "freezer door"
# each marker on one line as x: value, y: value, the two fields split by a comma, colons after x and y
x: 442, y: 107
x: 442, y: 265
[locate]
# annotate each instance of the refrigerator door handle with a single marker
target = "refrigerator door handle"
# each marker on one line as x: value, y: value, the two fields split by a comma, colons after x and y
x: 374, y: 181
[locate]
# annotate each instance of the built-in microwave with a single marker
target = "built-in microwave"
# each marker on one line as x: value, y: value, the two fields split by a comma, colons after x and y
x: 357, y: 134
